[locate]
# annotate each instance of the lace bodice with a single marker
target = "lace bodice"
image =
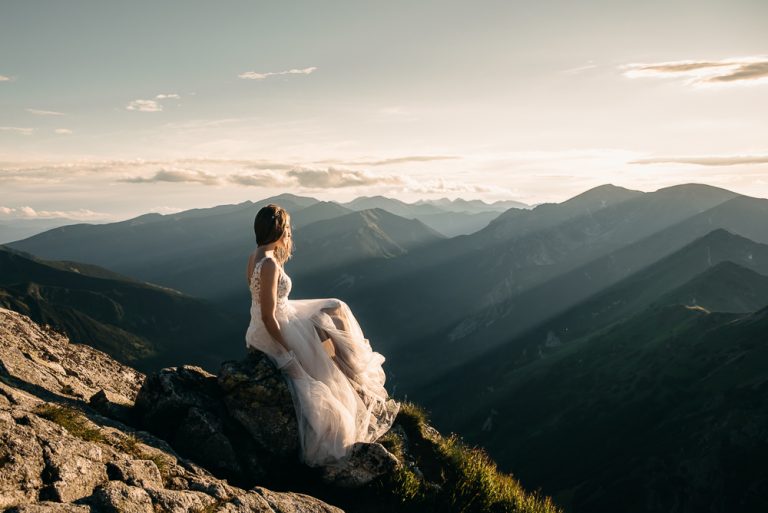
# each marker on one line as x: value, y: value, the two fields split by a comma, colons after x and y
x: 283, y: 285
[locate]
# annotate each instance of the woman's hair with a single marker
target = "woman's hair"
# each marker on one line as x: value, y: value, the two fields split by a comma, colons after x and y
x: 273, y: 222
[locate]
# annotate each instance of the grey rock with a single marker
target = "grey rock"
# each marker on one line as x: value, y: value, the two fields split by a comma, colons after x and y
x: 21, y: 460
x: 47, y: 462
x: 50, y: 507
x: 183, y: 405
x: 366, y: 462
x: 245, y: 503
x: 74, y: 468
x: 257, y: 396
x: 118, y: 497
x: 36, y: 358
x: 294, y: 502
x: 112, y: 405
x: 143, y: 473
x: 180, y: 501
x: 241, y: 424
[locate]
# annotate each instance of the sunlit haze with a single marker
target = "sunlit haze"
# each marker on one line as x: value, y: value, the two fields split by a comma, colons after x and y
x: 112, y: 109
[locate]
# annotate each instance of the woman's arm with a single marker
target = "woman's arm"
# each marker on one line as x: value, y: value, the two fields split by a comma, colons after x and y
x: 268, y: 299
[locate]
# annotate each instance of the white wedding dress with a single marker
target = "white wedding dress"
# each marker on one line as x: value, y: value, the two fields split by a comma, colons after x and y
x: 337, y: 386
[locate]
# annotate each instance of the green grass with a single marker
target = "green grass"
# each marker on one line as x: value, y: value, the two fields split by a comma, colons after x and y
x: 75, y: 422
x: 448, y: 475
x: 478, y: 485
x: 72, y: 420
x: 130, y: 444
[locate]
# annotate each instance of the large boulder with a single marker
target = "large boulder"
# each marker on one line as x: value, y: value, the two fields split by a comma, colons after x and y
x: 256, y: 395
x: 240, y: 424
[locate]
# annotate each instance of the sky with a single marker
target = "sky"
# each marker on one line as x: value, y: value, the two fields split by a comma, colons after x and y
x: 113, y: 109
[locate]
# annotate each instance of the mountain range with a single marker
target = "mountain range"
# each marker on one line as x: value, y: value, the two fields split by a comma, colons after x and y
x: 203, y: 252
x: 12, y: 229
x: 616, y: 315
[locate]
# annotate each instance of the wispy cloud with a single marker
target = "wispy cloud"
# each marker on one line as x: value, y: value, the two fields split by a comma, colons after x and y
x: 302, y: 177
x: 580, y: 69
x: 732, y: 160
x: 152, y: 105
x: 17, y: 129
x: 736, y: 71
x: 261, y: 179
x: 255, y: 75
x: 30, y: 213
x: 253, y: 173
x: 144, y: 106
x: 329, y: 178
x: 3, y: 78
x: 39, y: 112
x: 332, y: 177
x: 62, y: 131
x: 177, y: 176
x: 395, y: 160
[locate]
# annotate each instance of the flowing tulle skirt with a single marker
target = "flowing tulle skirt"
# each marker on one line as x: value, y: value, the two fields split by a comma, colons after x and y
x: 336, y: 379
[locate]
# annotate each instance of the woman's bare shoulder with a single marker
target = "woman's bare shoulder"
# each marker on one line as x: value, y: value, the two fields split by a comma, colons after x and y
x: 270, y: 265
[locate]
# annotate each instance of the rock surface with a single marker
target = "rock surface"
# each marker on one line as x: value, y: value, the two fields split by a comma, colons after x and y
x: 241, y: 424
x: 59, y: 454
x: 365, y: 463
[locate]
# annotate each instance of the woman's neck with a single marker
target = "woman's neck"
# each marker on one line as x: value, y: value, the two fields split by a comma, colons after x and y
x: 268, y: 250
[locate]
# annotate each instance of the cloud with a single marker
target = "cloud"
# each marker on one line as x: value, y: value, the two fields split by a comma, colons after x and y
x: 16, y: 129
x: 302, y: 177
x: 751, y: 71
x: 260, y: 173
x: 177, y: 176
x: 737, y: 71
x: 580, y: 69
x: 707, y: 161
x: 144, y: 106
x: 77, y: 171
x: 254, y: 75
x: 332, y: 178
x: 3, y: 78
x: 152, y: 105
x: 30, y: 213
x: 62, y: 131
x: 329, y: 178
x: 262, y: 179
x: 396, y: 160
x: 39, y: 112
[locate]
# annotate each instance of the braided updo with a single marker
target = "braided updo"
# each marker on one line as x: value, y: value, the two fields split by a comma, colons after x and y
x: 273, y: 223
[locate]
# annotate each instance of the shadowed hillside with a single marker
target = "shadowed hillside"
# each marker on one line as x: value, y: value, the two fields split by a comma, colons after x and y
x: 144, y: 325
x: 654, y: 413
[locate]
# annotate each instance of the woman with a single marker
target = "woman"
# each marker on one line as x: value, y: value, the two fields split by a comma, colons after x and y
x: 335, y: 378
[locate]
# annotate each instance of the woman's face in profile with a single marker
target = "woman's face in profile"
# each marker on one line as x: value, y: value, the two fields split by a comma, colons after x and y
x: 286, y: 235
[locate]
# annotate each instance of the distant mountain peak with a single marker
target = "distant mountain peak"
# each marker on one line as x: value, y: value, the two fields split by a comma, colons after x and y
x: 607, y: 191
x: 700, y: 190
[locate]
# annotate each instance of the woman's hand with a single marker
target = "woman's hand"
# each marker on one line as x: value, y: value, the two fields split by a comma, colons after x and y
x: 269, y: 274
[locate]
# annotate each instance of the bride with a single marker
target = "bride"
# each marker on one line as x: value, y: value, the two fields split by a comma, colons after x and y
x: 335, y: 378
